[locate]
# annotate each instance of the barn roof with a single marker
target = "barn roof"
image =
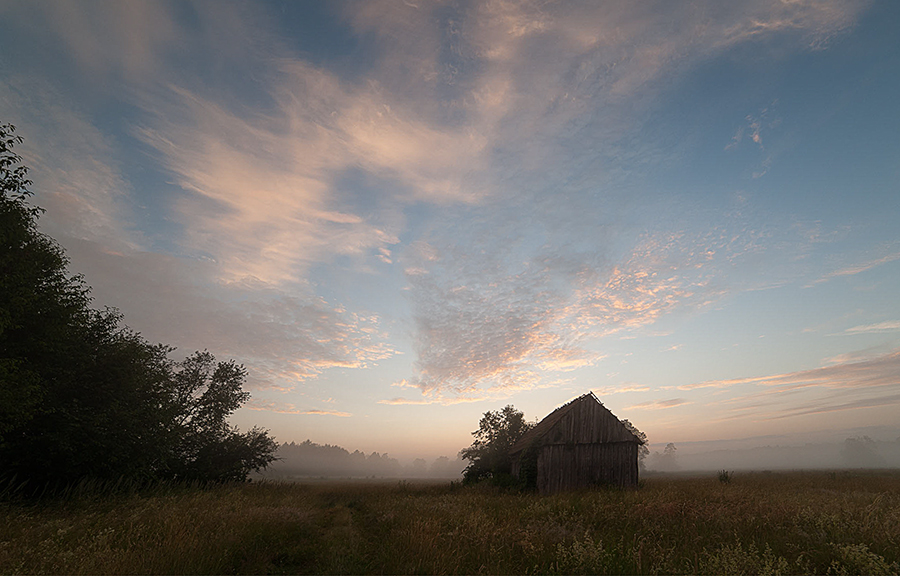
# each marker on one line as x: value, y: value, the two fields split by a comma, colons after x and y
x: 623, y: 434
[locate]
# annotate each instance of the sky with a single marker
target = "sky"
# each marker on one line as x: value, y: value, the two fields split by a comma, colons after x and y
x: 399, y: 215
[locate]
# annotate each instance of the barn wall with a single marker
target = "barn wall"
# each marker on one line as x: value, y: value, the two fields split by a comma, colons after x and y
x: 587, y: 422
x: 570, y: 466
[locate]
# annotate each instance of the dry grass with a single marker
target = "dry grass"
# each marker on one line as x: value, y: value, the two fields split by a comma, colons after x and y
x: 840, y: 523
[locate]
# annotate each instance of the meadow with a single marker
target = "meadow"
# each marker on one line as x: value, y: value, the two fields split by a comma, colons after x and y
x: 755, y: 523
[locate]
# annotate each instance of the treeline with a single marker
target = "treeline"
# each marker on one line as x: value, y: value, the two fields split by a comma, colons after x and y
x: 308, y: 459
x: 82, y: 395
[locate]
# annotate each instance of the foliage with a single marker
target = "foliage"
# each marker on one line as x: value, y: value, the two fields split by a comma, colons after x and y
x: 725, y: 476
x: 667, y: 461
x: 310, y: 459
x: 781, y: 523
x: 202, y: 395
x: 81, y: 395
x: 488, y: 455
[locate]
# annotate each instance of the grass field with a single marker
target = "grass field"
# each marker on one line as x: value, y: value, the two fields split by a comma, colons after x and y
x: 780, y: 523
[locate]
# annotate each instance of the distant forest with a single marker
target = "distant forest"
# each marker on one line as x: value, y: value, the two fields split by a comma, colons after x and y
x: 308, y: 459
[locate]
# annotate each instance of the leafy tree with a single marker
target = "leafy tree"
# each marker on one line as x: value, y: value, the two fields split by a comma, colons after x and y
x: 488, y: 455
x: 667, y: 461
x: 203, y: 395
x: 38, y: 302
x: 81, y: 395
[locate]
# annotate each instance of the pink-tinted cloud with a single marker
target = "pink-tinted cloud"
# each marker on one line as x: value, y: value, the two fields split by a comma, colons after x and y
x: 621, y: 389
x: 876, y: 372
x: 890, y: 326
x: 444, y: 401
x: 485, y: 326
x: 283, y: 337
x: 291, y: 409
x: 461, y: 116
x: 859, y: 268
x: 659, y: 404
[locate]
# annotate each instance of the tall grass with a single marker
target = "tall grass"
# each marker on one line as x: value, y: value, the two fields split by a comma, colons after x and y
x: 846, y: 523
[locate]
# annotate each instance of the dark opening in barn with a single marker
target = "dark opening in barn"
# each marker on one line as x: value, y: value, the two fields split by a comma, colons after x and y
x: 577, y: 445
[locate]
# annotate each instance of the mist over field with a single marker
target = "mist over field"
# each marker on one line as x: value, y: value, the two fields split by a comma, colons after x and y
x: 303, y: 460
x: 310, y: 460
x: 760, y: 454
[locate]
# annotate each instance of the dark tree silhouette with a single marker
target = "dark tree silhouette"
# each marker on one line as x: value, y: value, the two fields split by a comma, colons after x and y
x: 488, y: 455
x: 81, y: 395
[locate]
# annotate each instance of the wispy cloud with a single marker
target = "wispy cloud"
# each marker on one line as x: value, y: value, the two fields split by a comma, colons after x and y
x: 890, y: 326
x: 621, y: 389
x: 291, y: 409
x: 444, y: 401
x: 659, y: 404
x: 858, y: 355
x: 465, y: 118
x: 77, y: 176
x: 879, y: 371
x: 835, y: 405
x: 284, y: 337
x: 859, y: 268
x: 509, y: 319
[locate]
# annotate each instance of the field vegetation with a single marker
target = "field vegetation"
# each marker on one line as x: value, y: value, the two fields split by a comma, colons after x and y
x: 755, y: 523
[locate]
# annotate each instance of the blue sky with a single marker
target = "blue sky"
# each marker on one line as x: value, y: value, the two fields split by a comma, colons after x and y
x: 399, y: 215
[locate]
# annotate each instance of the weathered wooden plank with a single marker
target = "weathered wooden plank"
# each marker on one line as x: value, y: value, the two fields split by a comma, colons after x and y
x: 570, y: 466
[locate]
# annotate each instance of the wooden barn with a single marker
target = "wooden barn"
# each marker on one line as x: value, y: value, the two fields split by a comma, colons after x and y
x: 579, y: 444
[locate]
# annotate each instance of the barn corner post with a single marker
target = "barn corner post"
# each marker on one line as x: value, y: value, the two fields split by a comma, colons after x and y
x: 580, y: 444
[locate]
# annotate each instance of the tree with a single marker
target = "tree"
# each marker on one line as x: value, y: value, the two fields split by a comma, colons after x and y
x: 203, y: 395
x: 488, y: 455
x: 38, y: 301
x: 82, y: 395
x: 667, y: 461
x: 643, y: 450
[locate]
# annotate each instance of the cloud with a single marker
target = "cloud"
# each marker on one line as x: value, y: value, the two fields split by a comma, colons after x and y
x: 481, y: 326
x: 285, y: 337
x: 878, y: 327
x: 832, y: 406
x: 659, y: 404
x: 291, y: 409
x: 856, y: 356
x: 317, y: 412
x: 398, y: 401
x: 736, y: 139
x: 621, y: 389
x: 465, y: 118
x: 859, y: 268
x: 77, y: 177
x: 874, y: 372
x: 509, y: 319
x: 115, y: 37
x: 446, y: 401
